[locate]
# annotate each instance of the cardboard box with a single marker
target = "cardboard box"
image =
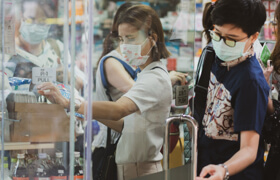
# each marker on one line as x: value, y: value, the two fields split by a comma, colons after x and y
x: 38, y: 122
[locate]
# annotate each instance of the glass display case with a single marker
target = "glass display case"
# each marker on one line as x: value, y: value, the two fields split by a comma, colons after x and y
x: 55, y: 46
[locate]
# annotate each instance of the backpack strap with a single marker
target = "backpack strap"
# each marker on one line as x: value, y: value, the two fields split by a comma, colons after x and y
x: 128, y: 68
x: 130, y: 71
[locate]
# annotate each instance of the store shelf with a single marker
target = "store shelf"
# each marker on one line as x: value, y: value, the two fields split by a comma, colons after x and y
x: 26, y: 145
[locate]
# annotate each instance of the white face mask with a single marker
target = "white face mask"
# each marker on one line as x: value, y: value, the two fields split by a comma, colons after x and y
x: 132, y: 54
x: 227, y: 53
x: 33, y: 33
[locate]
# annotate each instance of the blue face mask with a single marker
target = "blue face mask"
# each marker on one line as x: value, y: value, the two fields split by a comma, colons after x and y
x: 34, y: 33
x: 227, y: 53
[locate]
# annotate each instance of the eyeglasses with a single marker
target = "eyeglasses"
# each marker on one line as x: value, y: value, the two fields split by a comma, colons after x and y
x: 41, y: 21
x: 217, y: 37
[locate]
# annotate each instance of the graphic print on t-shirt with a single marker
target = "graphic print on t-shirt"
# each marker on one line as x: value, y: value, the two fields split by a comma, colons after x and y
x: 218, y: 117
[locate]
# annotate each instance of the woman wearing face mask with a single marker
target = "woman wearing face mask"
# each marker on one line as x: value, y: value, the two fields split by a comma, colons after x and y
x: 230, y: 146
x: 119, y: 82
x: 146, y: 105
x: 32, y: 46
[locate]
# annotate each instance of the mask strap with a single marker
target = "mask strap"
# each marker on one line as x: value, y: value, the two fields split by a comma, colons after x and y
x: 144, y: 42
x: 248, y: 51
x: 151, y: 48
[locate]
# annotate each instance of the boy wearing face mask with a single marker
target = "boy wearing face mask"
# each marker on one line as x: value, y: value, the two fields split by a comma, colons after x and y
x: 34, y: 49
x: 230, y: 146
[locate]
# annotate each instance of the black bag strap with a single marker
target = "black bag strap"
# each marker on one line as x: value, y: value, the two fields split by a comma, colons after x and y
x: 201, y: 84
x: 203, y: 74
x: 108, y: 137
x: 205, y: 62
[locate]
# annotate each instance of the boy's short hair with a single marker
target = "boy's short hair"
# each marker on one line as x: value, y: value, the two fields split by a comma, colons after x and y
x: 249, y: 15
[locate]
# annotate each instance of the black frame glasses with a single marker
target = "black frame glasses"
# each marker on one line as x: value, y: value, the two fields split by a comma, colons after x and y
x: 217, y: 37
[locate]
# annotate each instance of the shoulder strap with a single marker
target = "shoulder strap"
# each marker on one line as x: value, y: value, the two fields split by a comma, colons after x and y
x: 205, y: 64
x: 54, y: 46
x: 157, y: 67
x: 108, y: 137
x: 129, y: 69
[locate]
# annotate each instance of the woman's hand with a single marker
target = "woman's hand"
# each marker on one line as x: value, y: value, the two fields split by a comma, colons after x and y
x: 177, y: 76
x: 216, y: 173
x: 267, y: 71
x: 52, y: 93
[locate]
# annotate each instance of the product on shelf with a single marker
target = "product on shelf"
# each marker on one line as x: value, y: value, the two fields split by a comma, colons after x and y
x: 13, y: 166
x: 6, y: 171
x: 42, y: 169
x: 78, y: 169
x: 20, y: 172
x: 58, y: 170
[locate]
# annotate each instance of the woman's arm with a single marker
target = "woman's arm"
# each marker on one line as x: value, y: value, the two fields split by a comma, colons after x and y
x: 270, y: 107
x: 102, y: 110
x: 267, y: 73
x: 117, y: 76
x: 178, y: 76
x: 115, y: 125
x: 108, y: 110
x: 239, y: 161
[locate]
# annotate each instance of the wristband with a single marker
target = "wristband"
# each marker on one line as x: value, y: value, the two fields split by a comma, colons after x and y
x: 226, y: 177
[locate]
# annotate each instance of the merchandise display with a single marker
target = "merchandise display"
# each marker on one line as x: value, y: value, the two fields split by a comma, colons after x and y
x: 61, y: 42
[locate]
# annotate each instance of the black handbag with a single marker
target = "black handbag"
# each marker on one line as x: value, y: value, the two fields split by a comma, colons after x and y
x: 107, y: 167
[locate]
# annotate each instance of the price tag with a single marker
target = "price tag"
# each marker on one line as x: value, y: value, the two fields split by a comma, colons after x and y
x: 41, y: 75
x: 40, y: 170
x: 60, y: 171
x: 181, y: 97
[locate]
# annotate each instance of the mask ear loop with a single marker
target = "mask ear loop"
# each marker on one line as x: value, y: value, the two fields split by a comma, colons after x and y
x: 153, y: 40
x: 150, y: 49
x: 155, y: 45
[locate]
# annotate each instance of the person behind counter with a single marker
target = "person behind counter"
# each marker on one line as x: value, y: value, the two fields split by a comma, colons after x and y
x: 146, y: 105
x: 230, y: 145
x: 34, y: 48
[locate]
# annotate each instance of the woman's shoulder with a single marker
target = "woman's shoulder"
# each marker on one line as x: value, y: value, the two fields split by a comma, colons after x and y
x: 113, y: 54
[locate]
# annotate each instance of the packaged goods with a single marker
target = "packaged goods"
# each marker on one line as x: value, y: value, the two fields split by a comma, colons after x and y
x: 58, y: 170
x: 78, y: 169
x: 20, y: 172
x: 42, y: 168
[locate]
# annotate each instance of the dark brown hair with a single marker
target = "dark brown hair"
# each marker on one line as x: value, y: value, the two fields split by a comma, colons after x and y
x: 144, y: 17
x: 207, y: 21
x: 275, y: 56
x: 249, y: 15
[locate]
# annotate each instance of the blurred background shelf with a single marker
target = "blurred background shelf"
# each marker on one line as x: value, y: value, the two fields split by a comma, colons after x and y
x: 26, y: 145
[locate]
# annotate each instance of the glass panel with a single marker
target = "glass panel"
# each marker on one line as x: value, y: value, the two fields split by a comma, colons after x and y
x: 41, y: 137
x: 123, y: 38
x: 52, y: 45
